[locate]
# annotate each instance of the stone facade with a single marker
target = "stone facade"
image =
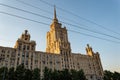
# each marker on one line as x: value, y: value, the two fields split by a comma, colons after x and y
x: 58, y: 54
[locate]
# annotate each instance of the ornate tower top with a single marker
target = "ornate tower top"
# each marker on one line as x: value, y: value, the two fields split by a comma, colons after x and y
x: 26, y: 31
x: 89, y: 50
x: 55, y: 16
x: 57, y: 38
x: 25, y: 36
x: 24, y: 42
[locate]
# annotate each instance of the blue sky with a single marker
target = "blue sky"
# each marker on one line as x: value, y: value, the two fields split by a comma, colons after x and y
x: 102, y: 12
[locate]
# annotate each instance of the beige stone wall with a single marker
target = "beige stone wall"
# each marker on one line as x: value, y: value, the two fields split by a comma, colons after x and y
x: 91, y: 65
x: 7, y: 56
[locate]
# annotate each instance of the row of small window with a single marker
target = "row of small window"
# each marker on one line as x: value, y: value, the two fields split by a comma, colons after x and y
x: 50, y: 62
x: 2, y: 55
x: 25, y: 55
x: 23, y: 62
x: 3, y: 51
x: 8, y: 51
x: 26, y: 47
x: 67, y: 66
x: 65, y: 53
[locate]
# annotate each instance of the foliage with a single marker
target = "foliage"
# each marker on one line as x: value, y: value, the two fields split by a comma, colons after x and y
x: 3, y: 72
x: 11, y: 74
x: 108, y: 75
x: 28, y: 74
x: 21, y: 73
x: 63, y: 74
x: 36, y: 74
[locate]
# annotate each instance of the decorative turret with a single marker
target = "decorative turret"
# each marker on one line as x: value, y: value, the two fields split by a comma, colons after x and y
x: 25, y: 36
x: 89, y: 50
x: 24, y: 42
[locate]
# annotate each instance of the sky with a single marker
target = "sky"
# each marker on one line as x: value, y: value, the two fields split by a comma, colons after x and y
x: 96, y: 18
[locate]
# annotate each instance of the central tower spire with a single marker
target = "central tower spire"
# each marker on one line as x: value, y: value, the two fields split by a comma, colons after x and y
x: 57, y: 38
x: 55, y: 17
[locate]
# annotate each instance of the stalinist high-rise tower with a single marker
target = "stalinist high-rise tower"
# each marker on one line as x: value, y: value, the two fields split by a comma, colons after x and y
x: 57, y: 38
x: 58, y: 54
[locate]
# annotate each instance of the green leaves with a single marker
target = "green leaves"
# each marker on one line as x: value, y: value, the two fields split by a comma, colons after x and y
x: 63, y: 74
x: 19, y: 74
x: 111, y: 76
x: 36, y: 74
x: 11, y: 74
x: 3, y: 73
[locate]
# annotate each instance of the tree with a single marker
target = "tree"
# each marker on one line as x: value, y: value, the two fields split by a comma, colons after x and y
x: 74, y: 74
x: 28, y: 74
x: 54, y: 75
x: 36, y: 74
x: 116, y: 76
x: 11, y: 74
x: 20, y: 72
x: 66, y: 74
x: 108, y: 75
x: 81, y: 75
x: 47, y: 74
x: 3, y: 73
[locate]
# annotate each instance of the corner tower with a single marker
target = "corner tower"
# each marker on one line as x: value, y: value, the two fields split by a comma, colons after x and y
x: 24, y: 43
x: 57, y: 38
x: 89, y: 50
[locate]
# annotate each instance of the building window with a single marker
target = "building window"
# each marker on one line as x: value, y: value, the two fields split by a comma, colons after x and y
x: 27, y: 54
x: 91, y: 77
x: 19, y: 47
x: 32, y: 47
x: 26, y: 38
x: 7, y: 55
x: 18, y: 54
x: 50, y: 62
x: 43, y: 62
x: 3, y: 51
x: 24, y: 47
x: 26, y: 62
x: 23, y: 54
x: 27, y: 47
x: 18, y: 59
x: 61, y: 51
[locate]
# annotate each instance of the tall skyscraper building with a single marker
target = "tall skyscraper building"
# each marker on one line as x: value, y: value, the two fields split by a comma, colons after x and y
x: 58, y: 54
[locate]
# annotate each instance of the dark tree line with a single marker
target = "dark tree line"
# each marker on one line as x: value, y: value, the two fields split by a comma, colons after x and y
x: 63, y: 75
x: 20, y: 73
x: 108, y: 75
